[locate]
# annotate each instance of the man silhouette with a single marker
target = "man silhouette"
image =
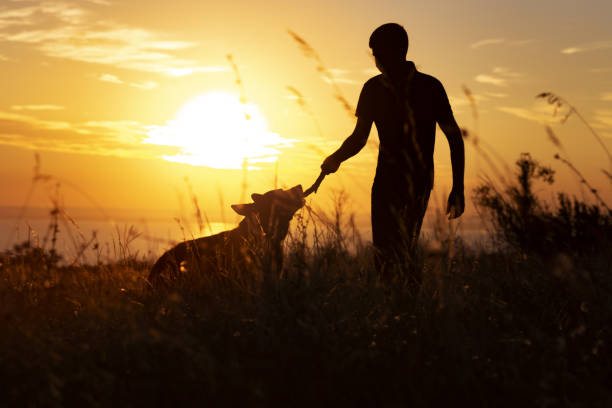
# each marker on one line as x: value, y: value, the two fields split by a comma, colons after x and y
x: 405, y: 105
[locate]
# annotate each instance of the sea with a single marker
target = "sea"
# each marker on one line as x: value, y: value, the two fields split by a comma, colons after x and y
x: 91, y: 236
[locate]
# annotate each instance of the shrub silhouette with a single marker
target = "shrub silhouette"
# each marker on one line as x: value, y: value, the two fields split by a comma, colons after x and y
x: 527, y: 224
x: 27, y: 255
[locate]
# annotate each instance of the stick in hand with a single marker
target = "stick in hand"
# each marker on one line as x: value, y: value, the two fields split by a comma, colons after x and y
x: 315, y: 186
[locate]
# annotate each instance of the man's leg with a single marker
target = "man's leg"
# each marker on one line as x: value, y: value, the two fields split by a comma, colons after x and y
x: 411, y: 221
x: 384, y: 233
x: 414, y: 218
x: 396, y: 225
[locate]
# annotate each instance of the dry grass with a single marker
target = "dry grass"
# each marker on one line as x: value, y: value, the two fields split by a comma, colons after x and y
x: 488, y: 328
x: 311, y: 53
x: 560, y: 103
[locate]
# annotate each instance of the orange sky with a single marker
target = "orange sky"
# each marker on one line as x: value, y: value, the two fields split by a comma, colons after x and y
x: 86, y: 82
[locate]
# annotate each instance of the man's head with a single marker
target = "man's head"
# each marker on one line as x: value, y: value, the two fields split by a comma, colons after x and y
x: 389, y: 44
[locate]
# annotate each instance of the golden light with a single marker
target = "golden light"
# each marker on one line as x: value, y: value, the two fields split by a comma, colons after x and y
x: 216, y: 130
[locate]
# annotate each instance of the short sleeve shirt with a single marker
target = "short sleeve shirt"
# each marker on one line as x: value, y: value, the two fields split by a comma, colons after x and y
x: 407, y: 135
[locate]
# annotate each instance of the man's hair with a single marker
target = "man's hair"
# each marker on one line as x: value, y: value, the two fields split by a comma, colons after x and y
x: 389, y: 41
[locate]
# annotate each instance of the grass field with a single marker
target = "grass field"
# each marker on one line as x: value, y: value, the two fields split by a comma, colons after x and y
x: 521, y: 325
x: 524, y: 322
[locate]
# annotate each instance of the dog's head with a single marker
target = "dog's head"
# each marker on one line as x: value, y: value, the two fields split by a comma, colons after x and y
x: 273, y: 210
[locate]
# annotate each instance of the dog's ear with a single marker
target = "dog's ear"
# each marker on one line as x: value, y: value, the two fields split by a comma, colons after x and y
x: 243, y: 209
x: 256, y: 197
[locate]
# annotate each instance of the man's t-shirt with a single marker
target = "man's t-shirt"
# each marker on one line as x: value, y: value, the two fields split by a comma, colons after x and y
x: 405, y: 115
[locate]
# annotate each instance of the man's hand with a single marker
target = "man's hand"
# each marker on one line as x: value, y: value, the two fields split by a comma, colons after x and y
x: 330, y: 165
x: 456, y: 203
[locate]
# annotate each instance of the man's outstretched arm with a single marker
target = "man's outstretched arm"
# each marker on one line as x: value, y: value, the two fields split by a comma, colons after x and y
x: 351, y: 146
x: 456, y: 200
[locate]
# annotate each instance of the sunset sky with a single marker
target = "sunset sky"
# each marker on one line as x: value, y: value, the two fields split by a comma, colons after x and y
x: 123, y: 100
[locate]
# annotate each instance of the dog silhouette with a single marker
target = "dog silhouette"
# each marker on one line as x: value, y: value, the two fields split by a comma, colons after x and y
x: 255, y: 242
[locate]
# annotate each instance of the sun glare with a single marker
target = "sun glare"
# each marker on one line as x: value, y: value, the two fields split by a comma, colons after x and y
x: 216, y: 130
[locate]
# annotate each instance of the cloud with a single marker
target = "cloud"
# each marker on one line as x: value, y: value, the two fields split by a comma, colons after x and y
x: 65, y: 31
x: 340, y: 75
x: 606, y: 96
x: 490, y: 79
x: 496, y: 41
x: 540, y: 113
x: 506, y: 72
x: 500, y: 76
x: 488, y: 41
x: 16, y: 17
x: 37, y: 107
x: 120, y: 138
x: 113, y: 79
x: 110, y: 78
x: 38, y: 123
x: 460, y: 101
x: 594, y: 46
x: 146, y: 85
x: 571, y: 50
x: 66, y: 13
x: 31, y: 14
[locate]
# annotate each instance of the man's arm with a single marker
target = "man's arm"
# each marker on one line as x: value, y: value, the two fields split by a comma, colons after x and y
x: 457, y: 150
x: 351, y: 146
x: 456, y: 200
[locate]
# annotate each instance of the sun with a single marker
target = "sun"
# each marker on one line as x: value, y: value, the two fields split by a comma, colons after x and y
x: 217, y: 130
